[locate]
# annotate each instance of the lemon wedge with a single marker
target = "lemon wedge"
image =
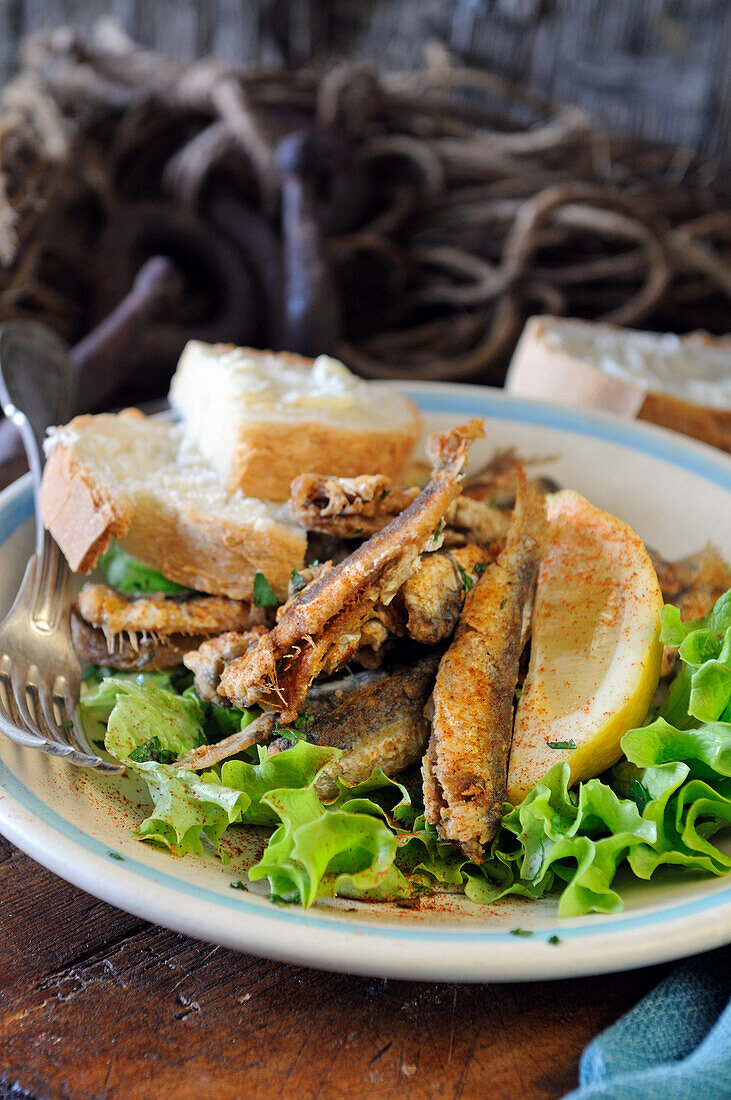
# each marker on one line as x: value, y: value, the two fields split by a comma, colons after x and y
x: 595, y: 652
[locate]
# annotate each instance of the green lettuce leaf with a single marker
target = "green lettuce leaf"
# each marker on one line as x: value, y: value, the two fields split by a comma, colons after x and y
x: 188, y: 804
x: 132, y: 578
x: 141, y: 713
x: 704, y: 648
x: 294, y: 768
x: 321, y: 852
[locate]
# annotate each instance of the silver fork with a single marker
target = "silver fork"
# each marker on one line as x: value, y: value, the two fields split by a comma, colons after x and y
x: 40, y: 675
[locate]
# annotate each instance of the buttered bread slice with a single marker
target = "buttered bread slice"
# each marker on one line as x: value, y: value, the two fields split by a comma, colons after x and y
x: 137, y: 480
x: 261, y: 418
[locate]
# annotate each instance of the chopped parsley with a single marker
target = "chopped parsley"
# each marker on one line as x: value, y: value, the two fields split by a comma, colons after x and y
x: 466, y: 578
x: 562, y: 744
x: 298, y: 729
x: 68, y: 725
x: 382, y: 497
x: 503, y: 602
x: 298, y: 581
x: 520, y: 932
x: 153, y: 750
x: 639, y: 793
x: 263, y: 592
x: 238, y: 885
x: 438, y: 530
x: 554, y: 939
x: 480, y: 568
x: 115, y: 855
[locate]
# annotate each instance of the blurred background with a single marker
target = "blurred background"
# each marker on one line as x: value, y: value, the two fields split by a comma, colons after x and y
x: 398, y: 182
x: 659, y: 68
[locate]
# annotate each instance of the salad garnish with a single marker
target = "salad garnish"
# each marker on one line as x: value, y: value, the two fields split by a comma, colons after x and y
x: 661, y: 806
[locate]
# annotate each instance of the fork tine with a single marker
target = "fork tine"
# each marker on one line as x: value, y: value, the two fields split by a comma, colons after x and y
x: 75, y: 754
x: 19, y: 699
x: 21, y: 736
x: 56, y: 699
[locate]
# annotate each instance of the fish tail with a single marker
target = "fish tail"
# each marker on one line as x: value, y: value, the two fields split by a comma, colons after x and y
x: 448, y: 450
x: 529, y: 515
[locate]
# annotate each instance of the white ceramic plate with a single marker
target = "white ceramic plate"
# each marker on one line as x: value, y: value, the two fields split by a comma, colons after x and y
x: 675, y: 493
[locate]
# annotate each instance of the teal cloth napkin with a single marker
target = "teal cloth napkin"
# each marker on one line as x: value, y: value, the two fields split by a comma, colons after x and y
x: 674, y: 1045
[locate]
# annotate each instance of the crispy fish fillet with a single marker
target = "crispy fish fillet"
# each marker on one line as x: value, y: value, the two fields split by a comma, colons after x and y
x: 465, y: 767
x: 209, y: 659
x: 382, y: 724
x: 322, y: 699
x: 693, y: 584
x: 109, y: 611
x: 322, y: 627
x: 130, y: 651
x: 357, y: 507
x: 432, y: 598
x: 347, y: 507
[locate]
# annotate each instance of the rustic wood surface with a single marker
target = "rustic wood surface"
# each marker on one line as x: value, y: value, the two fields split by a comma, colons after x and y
x: 96, y: 1004
x: 659, y: 68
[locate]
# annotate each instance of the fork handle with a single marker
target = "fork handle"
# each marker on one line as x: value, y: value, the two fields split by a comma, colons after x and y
x: 36, y: 391
x: 49, y: 600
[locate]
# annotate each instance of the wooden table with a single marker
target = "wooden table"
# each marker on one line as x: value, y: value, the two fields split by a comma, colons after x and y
x: 95, y: 1003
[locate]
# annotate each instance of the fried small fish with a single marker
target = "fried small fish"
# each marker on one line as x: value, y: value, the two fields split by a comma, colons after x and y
x: 357, y: 507
x: 431, y: 600
x: 465, y: 766
x: 209, y: 659
x: 130, y: 652
x: 381, y: 724
x: 347, y: 507
x: 322, y: 627
x: 109, y: 611
x: 322, y: 699
x: 497, y: 482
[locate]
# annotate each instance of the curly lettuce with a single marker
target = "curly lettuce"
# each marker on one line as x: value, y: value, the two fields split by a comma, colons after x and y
x: 662, y: 805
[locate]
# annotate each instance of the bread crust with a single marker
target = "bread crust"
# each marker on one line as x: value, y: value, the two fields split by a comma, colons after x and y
x: 209, y: 555
x: 711, y: 426
x: 540, y: 371
x: 270, y: 454
x: 188, y: 545
x: 80, y: 515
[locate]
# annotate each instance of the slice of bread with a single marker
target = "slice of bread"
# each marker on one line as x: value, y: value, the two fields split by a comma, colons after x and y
x: 263, y: 418
x: 134, y: 479
x: 680, y: 382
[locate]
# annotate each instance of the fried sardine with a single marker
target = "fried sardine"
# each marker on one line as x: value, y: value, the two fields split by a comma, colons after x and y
x: 112, y: 613
x: 321, y: 628
x: 357, y: 507
x: 381, y: 724
x: 465, y: 767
